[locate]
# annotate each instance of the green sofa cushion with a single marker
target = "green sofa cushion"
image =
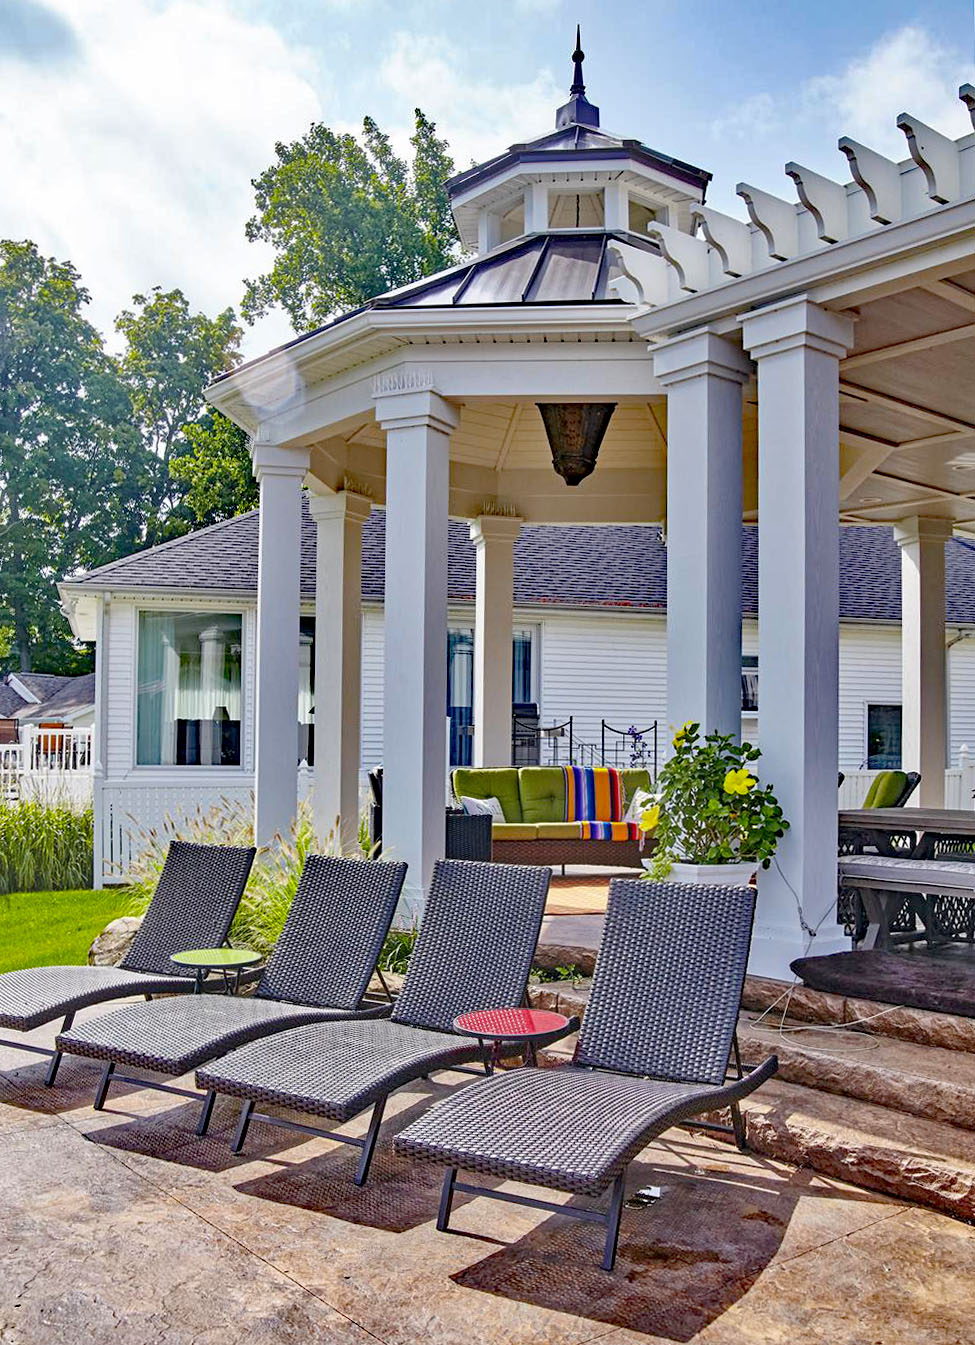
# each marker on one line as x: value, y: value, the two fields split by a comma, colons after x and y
x: 542, y: 793
x: 490, y: 782
x: 886, y: 789
x: 633, y: 780
x: 514, y: 831
x: 560, y: 831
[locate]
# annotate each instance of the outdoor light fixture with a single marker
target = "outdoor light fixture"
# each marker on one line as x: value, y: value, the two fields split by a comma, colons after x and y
x: 575, y: 431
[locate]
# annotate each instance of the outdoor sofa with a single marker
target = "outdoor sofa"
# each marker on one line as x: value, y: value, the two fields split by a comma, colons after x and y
x: 474, y: 950
x: 534, y: 830
x: 193, y: 906
x: 320, y: 969
x: 653, y: 1052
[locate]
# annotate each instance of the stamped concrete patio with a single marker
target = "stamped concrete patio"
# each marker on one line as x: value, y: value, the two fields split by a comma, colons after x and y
x: 124, y: 1227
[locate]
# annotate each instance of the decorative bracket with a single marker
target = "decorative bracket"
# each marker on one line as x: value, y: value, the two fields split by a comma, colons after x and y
x: 879, y: 178
x: 730, y: 238
x: 645, y: 271
x: 775, y: 218
x: 824, y: 199
x: 936, y: 156
x: 685, y: 253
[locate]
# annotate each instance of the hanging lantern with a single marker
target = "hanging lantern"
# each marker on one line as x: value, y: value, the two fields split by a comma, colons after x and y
x: 575, y: 431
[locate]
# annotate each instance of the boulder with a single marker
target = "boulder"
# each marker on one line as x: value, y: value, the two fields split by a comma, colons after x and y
x: 113, y: 943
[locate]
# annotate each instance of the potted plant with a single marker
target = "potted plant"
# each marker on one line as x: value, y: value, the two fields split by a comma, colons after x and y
x: 712, y: 820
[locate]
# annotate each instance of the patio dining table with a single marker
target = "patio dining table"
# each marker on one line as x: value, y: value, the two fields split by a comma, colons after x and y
x: 922, y: 827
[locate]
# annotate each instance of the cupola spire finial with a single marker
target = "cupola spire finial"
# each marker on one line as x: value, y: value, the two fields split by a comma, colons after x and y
x: 578, y: 111
x: 578, y: 56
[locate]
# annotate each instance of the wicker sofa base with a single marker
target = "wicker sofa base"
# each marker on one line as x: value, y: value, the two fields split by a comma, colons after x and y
x: 612, y: 854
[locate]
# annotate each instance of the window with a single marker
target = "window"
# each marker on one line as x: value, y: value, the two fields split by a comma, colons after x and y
x: 460, y: 685
x: 883, y: 737
x: 576, y: 210
x: 749, y: 684
x: 306, y: 691
x: 641, y: 216
x: 188, y: 709
x: 512, y: 221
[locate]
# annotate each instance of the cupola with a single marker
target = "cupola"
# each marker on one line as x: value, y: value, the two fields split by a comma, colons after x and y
x: 576, y: 178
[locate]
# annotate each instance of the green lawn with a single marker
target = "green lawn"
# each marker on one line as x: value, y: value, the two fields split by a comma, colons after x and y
x: 54, y: 928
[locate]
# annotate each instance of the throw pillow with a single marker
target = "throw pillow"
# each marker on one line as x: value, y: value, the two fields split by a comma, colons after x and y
x: 638, y: 804
x: 479, y: 807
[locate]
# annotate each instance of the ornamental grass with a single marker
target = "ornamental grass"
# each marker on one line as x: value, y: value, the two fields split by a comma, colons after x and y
x: 45, y: 847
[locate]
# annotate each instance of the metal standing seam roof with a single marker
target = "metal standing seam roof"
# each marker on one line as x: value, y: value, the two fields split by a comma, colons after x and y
x: 621, y: 567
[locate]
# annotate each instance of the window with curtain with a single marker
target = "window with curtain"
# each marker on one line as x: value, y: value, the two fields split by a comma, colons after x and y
x: 521, y: 667
x: 188, y: 702
x: 306, y: 691
x: 749, y: 683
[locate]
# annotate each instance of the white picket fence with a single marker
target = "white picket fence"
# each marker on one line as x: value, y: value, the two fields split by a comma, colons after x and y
x: 53, y: 765
x: 959, y: 787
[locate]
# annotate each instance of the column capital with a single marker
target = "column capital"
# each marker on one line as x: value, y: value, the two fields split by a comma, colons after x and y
x: 276, y: 460
x: 343, y: 504
x: 405, y: 398
x: 495, y: 528
x: 698, y: 353
x: 794, y: 323
x: 916, y: 529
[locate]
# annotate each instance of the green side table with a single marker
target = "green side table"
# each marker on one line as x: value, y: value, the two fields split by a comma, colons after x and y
x: 230, y: 961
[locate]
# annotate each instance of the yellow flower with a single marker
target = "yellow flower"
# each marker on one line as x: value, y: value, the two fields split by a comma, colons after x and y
x: 740, y: 781
x: 649, y: 818
x: 681, y: 733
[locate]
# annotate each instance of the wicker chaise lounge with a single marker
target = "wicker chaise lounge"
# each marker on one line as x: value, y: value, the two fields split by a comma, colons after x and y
x: 653, y: 1052
x: 474, y: 950
x: 193, y: 906
x: 320, y: 968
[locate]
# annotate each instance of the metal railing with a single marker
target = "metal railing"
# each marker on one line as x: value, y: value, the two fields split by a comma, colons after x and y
x: 535, y: 744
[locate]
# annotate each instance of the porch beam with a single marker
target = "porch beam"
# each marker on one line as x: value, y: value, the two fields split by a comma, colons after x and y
x: 854, y: 392
x: 923, y: 668
x: 494, y: 550
x: 339, y: 520
x: 912, y: 347
x: 704, y: 375
x: 955, y: 294
x: 798, y: 347
x: 280, y: 473
x: 418, y: 424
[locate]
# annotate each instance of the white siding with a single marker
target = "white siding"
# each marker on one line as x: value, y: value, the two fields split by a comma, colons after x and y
x: 961, y: 694
x: 596, y: 667
x: 119, y: 753
x: 870, y: 673
x: 372, y: 688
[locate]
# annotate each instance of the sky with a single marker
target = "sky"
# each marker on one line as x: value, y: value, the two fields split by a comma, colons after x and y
x: 130, y: 130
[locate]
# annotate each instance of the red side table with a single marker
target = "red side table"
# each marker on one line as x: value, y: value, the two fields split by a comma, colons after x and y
x: 534, y: 1027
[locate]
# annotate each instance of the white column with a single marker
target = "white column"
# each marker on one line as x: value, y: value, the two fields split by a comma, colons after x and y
x: 212, y: 648
x: 338, y: 660
x: 494, y: 552
x: 418, y: 424
x: 99, y: 738
x: 798, y: 347
x: 280, y: 472
x: 703, y: 374
x: 923, y: 676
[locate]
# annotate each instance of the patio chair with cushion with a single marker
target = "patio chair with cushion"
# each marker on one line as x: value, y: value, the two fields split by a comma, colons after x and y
x: 474, y: 951
x: 888, y: 789
x: 653, y: 1052
x: 320, y: 969
x: 194, y: 904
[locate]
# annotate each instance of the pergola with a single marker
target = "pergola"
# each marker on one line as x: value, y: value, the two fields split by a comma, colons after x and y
x: 813, y: 365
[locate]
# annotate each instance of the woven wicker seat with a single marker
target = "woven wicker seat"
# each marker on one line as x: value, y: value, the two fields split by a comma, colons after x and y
x: 474, y: 950
x: 194, y: 903
x: 320, y: 969
x: 653, y: 1051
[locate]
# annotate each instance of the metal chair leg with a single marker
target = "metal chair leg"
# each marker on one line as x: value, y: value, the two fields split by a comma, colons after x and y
x: 56, y: 1058
x: 104, y: 1085
x: 740, y: 1128
x: 243, y: 1125
x: 613, y: 1215
x: 206, y: 1111
x: 446, y: 1200
x: 372, y: 1135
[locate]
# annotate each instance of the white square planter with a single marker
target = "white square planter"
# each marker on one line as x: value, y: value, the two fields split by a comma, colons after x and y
x: 723, y: 875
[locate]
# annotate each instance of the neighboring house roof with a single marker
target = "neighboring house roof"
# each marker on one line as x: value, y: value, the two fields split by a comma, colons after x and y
x: 76, y: 695
x: 58, y: 697
x: 621, y: 566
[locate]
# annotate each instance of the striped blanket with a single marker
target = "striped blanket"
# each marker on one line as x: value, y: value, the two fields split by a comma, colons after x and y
x: 594, y: 797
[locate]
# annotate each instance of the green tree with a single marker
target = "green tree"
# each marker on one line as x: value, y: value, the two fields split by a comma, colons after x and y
x: 215, y: 473
x: 170, y: 356
x: 349, y: 219
x: 66, y: 450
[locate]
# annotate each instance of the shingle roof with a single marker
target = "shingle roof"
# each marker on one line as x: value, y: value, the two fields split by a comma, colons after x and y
x: 10, y: 701
x: 76, y: 693
x: 576, y: 567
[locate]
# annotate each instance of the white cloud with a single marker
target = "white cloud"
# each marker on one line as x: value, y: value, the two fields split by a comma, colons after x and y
x: 479, y: 117
x: 905, y: 71
x: 134, y: 158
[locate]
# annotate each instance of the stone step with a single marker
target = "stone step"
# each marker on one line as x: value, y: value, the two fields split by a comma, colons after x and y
x: 948, y: 1031
x: 926, y: 1081
x: 899, y: 1154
